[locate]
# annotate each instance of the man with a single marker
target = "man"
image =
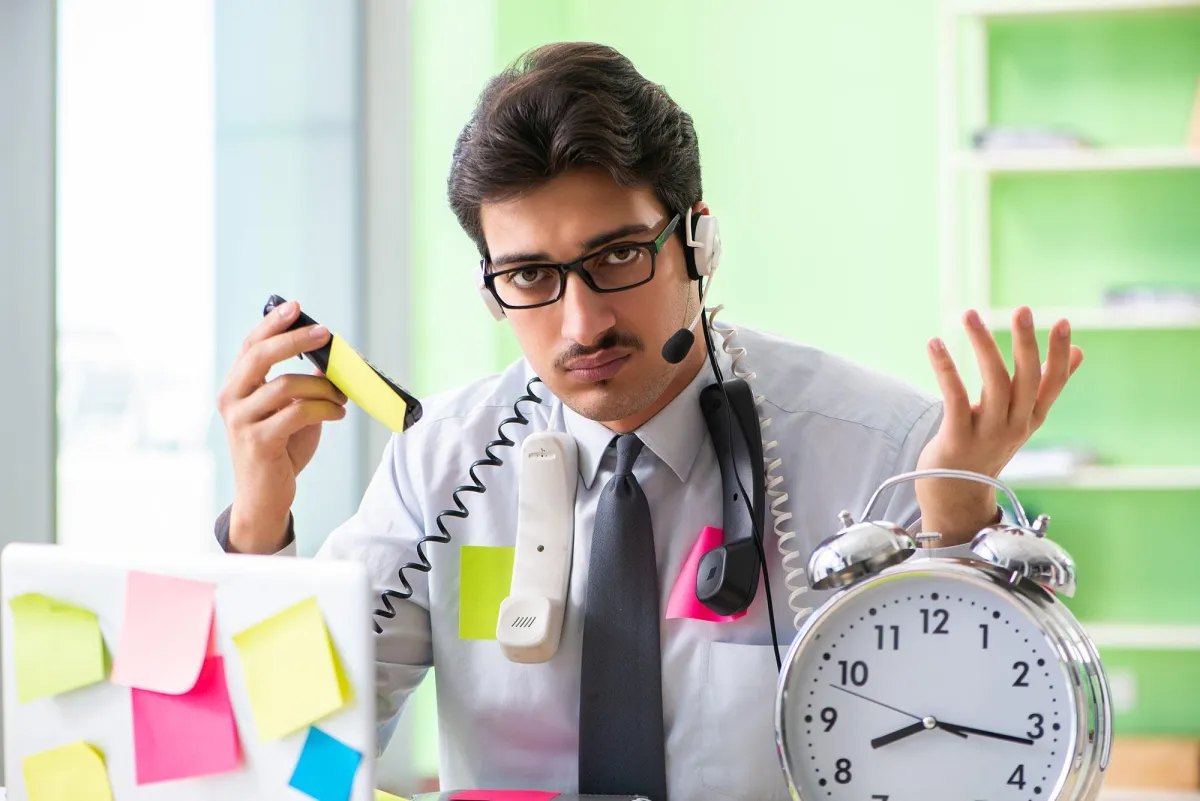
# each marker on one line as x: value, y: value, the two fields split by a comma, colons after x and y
x: 578, y: 180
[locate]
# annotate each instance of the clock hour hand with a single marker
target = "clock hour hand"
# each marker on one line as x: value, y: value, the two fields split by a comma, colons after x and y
x: 900, y: 734
x: 965, y: 730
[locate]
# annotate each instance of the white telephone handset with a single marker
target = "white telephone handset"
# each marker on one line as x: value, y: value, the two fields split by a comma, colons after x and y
x: 531, y: 617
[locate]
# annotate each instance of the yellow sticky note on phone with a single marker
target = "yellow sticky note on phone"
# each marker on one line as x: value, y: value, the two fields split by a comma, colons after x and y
x: 350, y: 373
x: 292, y: 671
x: 74, y: 772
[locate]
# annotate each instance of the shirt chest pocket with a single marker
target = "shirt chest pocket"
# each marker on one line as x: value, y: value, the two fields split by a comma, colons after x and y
x: 737, y: 703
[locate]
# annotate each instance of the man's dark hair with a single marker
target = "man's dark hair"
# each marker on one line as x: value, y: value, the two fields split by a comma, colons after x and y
x: 568, y: 105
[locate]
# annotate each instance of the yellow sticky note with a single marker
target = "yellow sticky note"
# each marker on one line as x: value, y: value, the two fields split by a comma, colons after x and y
x: 350, y: 373
x: 485, y: 576
x: 380, y: 795
x: 74, y: 772
x: 58, y: 647
x: 292, y: 671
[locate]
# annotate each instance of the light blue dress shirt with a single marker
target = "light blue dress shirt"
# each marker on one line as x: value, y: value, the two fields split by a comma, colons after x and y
x: 840, y: 429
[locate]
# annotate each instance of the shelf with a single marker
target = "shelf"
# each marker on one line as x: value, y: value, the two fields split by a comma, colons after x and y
x: 1030, y: 8
x: 1145, y: 636
x: 1131, y: 318
x: 1036, y: 160
x: 1146, y: 794
x: 1115, y: 478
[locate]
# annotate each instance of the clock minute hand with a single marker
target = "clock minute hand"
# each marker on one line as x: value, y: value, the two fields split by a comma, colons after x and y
x: 965, y: 730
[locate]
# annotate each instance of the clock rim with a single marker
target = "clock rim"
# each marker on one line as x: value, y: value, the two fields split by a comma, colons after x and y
x: 1090, y: 745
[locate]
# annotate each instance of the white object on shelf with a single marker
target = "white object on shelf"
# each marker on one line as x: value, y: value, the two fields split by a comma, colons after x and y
x: 1144, y: 636
x: 1102, y: 318
x: 1103, y: 477
x: 1015, y: 8
x: 1077, y: 159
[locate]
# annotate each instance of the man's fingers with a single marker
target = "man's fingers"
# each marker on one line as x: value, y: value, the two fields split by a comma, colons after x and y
x: 271, y: 324
x: 284, y: 390
x: 1061, y: 363
x: 956, y: 403
x: 997, y: 386
x: 301, y: 414
x: 252, y: 367
x: 1027, y: 368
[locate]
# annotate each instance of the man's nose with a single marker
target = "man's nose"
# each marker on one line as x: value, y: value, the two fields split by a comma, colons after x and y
x: 586, y: 315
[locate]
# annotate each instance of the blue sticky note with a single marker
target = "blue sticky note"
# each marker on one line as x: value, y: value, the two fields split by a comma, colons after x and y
x: 326, y: 768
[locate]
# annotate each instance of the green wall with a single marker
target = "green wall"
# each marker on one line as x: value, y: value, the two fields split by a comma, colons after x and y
x: 818, y: 135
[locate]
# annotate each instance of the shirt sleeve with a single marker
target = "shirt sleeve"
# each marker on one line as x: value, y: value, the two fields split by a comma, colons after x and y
x: 383, y: 535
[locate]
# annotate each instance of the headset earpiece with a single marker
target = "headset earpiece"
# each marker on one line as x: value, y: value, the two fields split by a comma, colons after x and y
x: 703, y: 240
x: 489, y: 300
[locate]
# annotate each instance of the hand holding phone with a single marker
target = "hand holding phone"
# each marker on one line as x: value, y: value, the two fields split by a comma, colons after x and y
x: 357, y: 378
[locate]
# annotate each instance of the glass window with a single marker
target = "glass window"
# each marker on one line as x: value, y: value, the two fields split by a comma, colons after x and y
x: 135, y: 272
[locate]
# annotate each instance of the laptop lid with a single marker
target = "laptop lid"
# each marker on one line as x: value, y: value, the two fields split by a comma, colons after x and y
x: 280, y: 629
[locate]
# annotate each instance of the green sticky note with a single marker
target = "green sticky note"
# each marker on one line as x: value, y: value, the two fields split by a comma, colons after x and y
x: 58, y: 647
x: 485, y: 575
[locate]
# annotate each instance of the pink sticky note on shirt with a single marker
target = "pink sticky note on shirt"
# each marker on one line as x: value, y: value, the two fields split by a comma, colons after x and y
x: 503, y: 795
x: 683, y: 601
x: 165, y: 634
x: 182, y: 736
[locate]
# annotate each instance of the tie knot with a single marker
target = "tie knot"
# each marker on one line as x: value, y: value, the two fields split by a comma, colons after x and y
x: 628, y: 448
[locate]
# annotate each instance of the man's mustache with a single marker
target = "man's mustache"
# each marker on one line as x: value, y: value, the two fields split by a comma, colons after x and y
x: 612, y: 339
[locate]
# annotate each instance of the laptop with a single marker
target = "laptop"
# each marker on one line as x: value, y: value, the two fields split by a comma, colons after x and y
x: 280, y: 699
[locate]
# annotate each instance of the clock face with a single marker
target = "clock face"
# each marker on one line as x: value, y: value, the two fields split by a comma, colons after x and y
x: 924, y: 688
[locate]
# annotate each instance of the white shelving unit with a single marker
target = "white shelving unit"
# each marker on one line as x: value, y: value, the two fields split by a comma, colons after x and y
x: 1115, y: 478
x: 1083, y: 318
x: 1079, y: 160
x: 1145, y: 637
x: 965, y: 268
x: 965, y: 262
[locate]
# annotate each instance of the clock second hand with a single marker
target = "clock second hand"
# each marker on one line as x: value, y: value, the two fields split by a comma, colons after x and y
x: 894, y: 709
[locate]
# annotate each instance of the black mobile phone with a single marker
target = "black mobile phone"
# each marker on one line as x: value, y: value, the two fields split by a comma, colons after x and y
x: 357, y: 378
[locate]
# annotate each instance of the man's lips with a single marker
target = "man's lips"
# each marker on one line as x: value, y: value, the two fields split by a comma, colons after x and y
x: 596, y: 360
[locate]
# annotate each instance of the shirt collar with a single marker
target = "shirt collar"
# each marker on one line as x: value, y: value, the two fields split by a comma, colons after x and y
x: 675, y: 434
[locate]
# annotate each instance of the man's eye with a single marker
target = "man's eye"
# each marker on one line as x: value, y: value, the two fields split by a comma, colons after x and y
x: 526, y: 278
x: 616, y: 258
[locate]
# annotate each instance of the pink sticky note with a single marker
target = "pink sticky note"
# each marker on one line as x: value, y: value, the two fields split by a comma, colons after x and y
x: 683, y: 601
x: 165, y: 634
x: 181, y: 736
x: 503, y: 795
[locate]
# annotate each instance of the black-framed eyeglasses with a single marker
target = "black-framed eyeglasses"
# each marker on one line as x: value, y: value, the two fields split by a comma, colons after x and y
x: 615, y: 268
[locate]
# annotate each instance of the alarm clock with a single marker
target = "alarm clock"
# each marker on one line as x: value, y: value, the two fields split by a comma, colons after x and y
x: 942, y: 678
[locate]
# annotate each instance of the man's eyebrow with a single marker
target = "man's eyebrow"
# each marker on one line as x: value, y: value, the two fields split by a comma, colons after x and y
x: 597, y: 241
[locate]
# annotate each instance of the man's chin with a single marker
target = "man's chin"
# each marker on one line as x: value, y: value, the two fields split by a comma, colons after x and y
x: 602, y: 401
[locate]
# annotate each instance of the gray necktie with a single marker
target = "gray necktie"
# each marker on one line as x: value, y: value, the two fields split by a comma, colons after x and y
x: 621, y: 742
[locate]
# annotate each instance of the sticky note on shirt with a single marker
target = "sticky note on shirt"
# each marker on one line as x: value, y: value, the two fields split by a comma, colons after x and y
x: 292, y: 671
x: 485, y: 577
x: 503, y: 795
x: 326, y: 768
x: 74, y: 772
x: 58, y: 647
x: 165, y: 633
x: 181, y: 736
x: 683, y: 601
